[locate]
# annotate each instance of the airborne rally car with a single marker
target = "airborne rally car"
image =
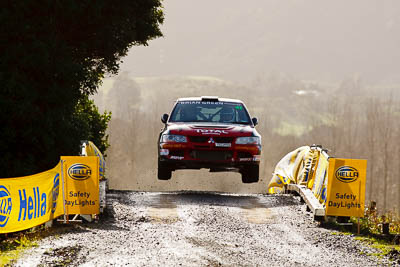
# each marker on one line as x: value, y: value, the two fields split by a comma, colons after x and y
x: 212, y: 133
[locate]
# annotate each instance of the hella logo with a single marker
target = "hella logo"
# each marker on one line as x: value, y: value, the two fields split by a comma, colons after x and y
x: 5, y: 205
x: 347, y: 174
x: 79, y: 171
x: 55, y: 192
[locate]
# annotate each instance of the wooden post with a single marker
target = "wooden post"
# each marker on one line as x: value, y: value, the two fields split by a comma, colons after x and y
x: 385, y: 228
x: 359, y: 202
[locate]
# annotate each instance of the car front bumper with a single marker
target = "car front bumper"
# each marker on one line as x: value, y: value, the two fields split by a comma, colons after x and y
x: 188, y: 156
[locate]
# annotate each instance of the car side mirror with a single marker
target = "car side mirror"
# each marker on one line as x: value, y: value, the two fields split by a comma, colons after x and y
x: 164, y: 118
x: 255, y: 121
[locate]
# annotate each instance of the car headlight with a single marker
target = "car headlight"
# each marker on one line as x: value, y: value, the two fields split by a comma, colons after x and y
x: 252, y: 140
x: 168, y: 138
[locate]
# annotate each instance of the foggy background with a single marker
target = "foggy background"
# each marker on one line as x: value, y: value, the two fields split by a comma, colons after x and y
x: 240, y: 40
x: 313, y: 72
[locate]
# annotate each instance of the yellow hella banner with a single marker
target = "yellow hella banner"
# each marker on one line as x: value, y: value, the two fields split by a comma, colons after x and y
x: 346, y: 187
x: 288, y: 170
x: 319, y: 183
x: 29, y: 201
x: 92, y: 150
x: 81, y: 184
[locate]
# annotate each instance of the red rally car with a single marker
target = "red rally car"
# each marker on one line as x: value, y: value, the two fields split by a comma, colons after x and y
x: 212, y: 133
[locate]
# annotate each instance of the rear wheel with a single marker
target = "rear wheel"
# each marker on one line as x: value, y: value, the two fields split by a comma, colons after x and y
x: 164, y: 173
x: 250, y: 174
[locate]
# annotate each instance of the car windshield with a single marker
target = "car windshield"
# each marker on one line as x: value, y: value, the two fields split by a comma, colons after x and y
x: 209, y: 111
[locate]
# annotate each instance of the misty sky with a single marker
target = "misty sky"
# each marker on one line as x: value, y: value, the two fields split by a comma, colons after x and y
x: 240, y: 40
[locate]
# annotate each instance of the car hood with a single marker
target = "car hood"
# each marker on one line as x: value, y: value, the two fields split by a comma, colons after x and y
x: 199, y: 129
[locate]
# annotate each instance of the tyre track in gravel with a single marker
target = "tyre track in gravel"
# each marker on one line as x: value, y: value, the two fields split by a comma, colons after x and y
x: 199, y: 229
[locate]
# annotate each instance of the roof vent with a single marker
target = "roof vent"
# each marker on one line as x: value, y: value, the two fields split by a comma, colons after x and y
x: 209, y: 98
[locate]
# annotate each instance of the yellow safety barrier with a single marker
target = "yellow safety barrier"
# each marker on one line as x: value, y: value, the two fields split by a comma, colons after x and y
x: 289, y: 170
x: 338, y: 184
x: 319, y: 183
x: 92, y: 150
x: 29, y: 201
x: 72, y: 187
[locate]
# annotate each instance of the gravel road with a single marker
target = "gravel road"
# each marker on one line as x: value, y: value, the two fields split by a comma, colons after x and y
x: 200, y: 229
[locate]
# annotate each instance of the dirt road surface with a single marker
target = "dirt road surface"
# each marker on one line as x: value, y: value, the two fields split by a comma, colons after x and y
x: 199, y: 229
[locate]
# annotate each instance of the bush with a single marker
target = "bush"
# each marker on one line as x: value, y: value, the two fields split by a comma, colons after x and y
x: 90, y: 125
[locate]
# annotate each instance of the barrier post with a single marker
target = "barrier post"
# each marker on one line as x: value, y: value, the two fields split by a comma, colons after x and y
x: 359, y: 202
x: 63, y: 188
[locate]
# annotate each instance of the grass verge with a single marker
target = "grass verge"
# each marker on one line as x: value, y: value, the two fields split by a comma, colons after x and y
x: 371, y: 232
x: 12, y: 246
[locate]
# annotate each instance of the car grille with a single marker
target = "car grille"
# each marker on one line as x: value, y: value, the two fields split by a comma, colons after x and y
x: 179, y: 153
x: 223, y: 139
x: 199, y: 139
x: 211, y: 155
x: 244, y: 155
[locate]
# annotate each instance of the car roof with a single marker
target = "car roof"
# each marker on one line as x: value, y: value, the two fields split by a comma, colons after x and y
x: 209, y: 98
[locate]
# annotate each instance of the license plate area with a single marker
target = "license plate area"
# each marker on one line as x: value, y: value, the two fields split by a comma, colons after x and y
x: 211, y: 155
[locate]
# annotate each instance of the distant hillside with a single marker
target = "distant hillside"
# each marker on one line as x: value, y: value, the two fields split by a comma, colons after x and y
x: 287, y: 105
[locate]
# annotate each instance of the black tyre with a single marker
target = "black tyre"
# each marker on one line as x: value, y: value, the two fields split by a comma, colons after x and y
x: 250, y: 174
x: 163, y: 173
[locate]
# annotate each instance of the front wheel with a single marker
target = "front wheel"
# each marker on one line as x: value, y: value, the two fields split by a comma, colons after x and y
x: 163, y: 173
x: 250, y: 174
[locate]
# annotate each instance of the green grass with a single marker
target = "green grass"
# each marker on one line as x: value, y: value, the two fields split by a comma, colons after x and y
x: 287, y: 128
x: 11, y: 248
x: 384, y: 246
x: 371, y: 231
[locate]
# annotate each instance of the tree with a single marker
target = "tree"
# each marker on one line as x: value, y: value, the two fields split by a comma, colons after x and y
x: 90, y: 124
x: 385, y: 133
x: 372, y: 121
x: 54, y: 54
